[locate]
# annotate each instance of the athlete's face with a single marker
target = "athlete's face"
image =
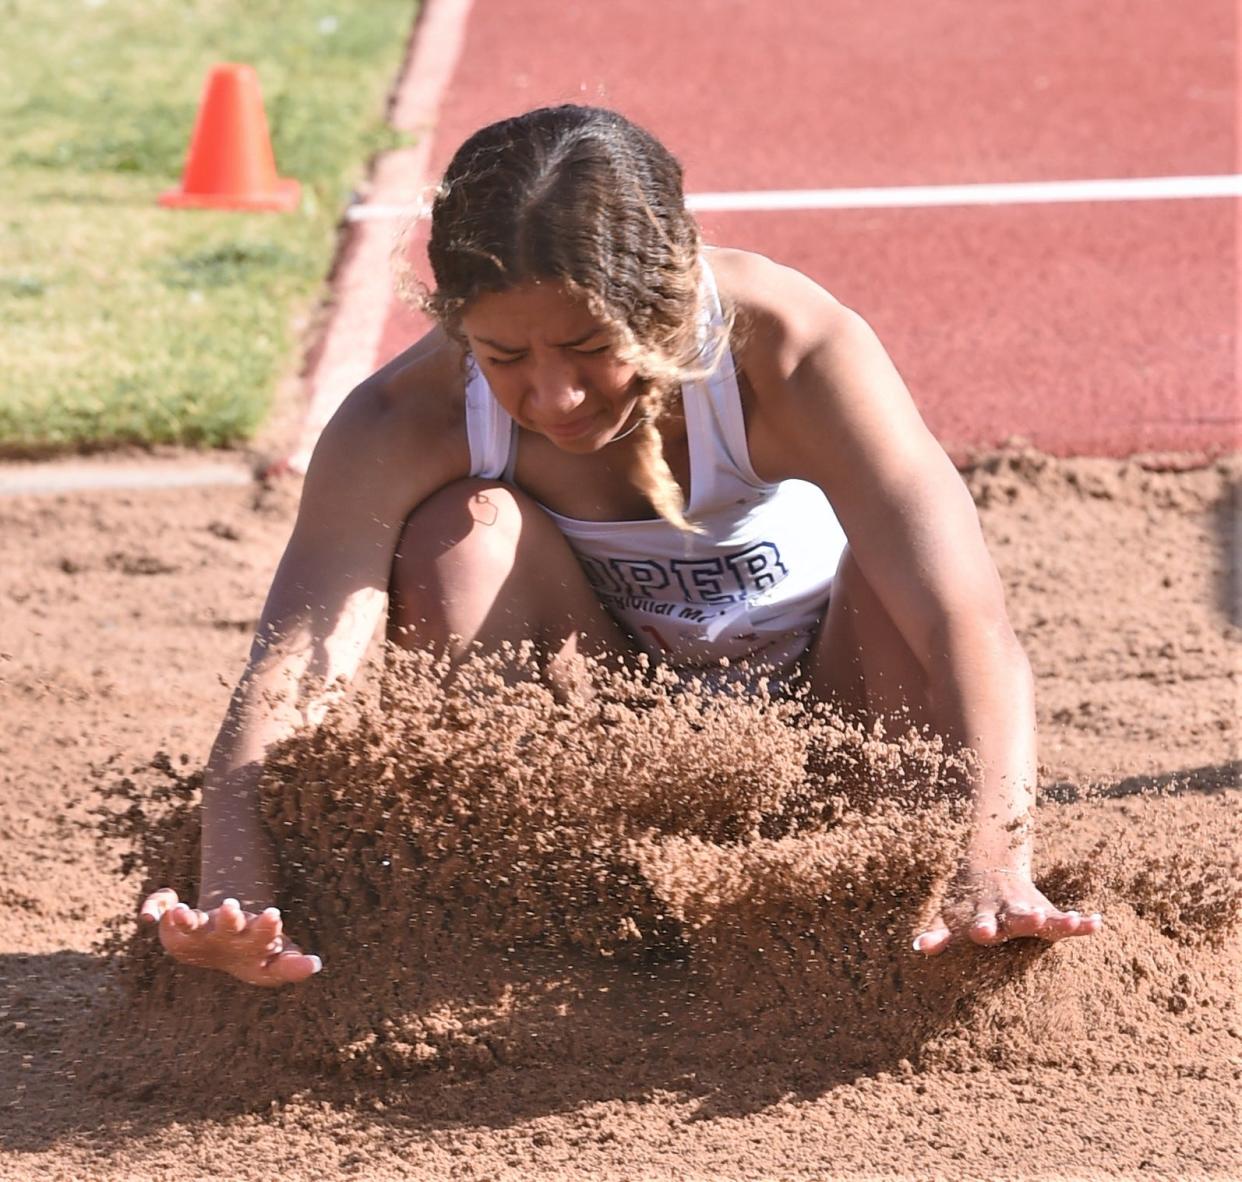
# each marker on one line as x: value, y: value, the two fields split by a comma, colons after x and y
x: 551, y: 364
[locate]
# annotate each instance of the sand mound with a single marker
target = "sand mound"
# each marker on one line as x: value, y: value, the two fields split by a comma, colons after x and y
x: 495, y: 875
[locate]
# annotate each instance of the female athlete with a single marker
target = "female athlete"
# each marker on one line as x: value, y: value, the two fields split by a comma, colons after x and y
x: 617, y: 440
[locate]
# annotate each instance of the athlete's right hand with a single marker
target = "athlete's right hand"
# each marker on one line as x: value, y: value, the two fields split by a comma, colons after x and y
x: 251, y: 947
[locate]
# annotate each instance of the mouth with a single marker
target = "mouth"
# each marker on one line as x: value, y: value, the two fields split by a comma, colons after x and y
x: 570, y: 430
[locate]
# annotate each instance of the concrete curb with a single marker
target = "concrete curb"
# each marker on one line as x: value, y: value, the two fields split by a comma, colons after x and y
x: 74, y: 476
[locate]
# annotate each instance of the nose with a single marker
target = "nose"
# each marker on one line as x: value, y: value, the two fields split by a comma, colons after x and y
x: 556, y: 390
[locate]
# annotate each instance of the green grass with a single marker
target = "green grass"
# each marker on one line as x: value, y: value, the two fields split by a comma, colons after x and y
x: 121, y: 321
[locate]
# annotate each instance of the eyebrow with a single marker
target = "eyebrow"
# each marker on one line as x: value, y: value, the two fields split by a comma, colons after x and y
x: 563, y: 345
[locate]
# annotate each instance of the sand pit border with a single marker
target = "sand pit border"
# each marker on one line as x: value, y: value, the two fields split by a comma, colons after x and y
x: 363, y: 287
x: 79, y: 475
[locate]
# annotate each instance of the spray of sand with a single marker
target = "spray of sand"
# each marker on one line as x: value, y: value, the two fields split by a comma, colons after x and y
x: 495, y: 875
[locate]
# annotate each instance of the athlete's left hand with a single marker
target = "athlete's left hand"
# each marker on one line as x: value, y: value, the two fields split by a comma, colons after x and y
x: 991, y: 906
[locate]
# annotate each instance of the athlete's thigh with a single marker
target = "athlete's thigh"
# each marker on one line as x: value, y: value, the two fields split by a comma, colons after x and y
x: 859, y: 660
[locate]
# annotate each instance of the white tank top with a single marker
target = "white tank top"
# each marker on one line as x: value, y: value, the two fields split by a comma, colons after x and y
x: 752, y: 585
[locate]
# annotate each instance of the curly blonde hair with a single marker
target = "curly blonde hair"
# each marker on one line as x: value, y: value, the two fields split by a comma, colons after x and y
x: 584, y: 197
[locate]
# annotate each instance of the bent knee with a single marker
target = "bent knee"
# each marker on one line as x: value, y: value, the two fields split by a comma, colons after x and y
x: 465, y: 506
x: 474, y: 522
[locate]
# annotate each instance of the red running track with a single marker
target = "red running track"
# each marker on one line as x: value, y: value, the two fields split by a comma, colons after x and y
x: 1086, y: 328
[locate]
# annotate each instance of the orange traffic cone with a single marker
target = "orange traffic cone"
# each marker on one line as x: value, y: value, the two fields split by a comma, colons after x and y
x: 230, y: 163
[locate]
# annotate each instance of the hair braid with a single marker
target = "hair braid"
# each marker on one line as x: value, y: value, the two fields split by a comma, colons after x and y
x: 654, y: 477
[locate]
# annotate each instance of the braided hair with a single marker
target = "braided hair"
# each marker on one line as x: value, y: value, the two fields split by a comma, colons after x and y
x: 584, y: 197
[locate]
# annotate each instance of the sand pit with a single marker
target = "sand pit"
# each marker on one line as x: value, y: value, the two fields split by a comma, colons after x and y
x: 662, y: 935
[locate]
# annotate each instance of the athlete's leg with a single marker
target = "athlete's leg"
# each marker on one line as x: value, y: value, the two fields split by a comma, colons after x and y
x: 481, y: 564
x: 860, y: 660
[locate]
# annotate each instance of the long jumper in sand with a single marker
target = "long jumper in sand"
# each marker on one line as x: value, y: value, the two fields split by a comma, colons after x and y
x: 617, y: 440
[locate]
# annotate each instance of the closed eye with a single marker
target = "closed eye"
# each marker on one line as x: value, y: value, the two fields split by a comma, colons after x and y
x: 581, y: 352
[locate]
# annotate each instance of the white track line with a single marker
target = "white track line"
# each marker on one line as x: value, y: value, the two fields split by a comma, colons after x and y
x: 442, y: 30
x: 1156, y: 188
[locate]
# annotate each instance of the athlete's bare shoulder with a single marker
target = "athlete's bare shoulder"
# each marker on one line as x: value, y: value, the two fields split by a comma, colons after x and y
x: 806, y: 363
x: 420, y: 394
x: 782, y: 314
x: 404, y: 426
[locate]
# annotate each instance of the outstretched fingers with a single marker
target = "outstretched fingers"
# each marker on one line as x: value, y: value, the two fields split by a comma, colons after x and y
x: 1057, y: 925
x: 1021, y: 919
x: 935, y: 939
x: 178, y: 926
x: 289, y: 967
x: 993, y: 923
x: 156, y: 904
x: 985, y: 929
x: 1045, y: 922
x: 282, y: 963
x: 229, y: 917
x: 253, y: 948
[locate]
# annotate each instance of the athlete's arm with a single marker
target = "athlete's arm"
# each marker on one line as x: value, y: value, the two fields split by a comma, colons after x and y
x: 394, y: 442
x: 831, y: 408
